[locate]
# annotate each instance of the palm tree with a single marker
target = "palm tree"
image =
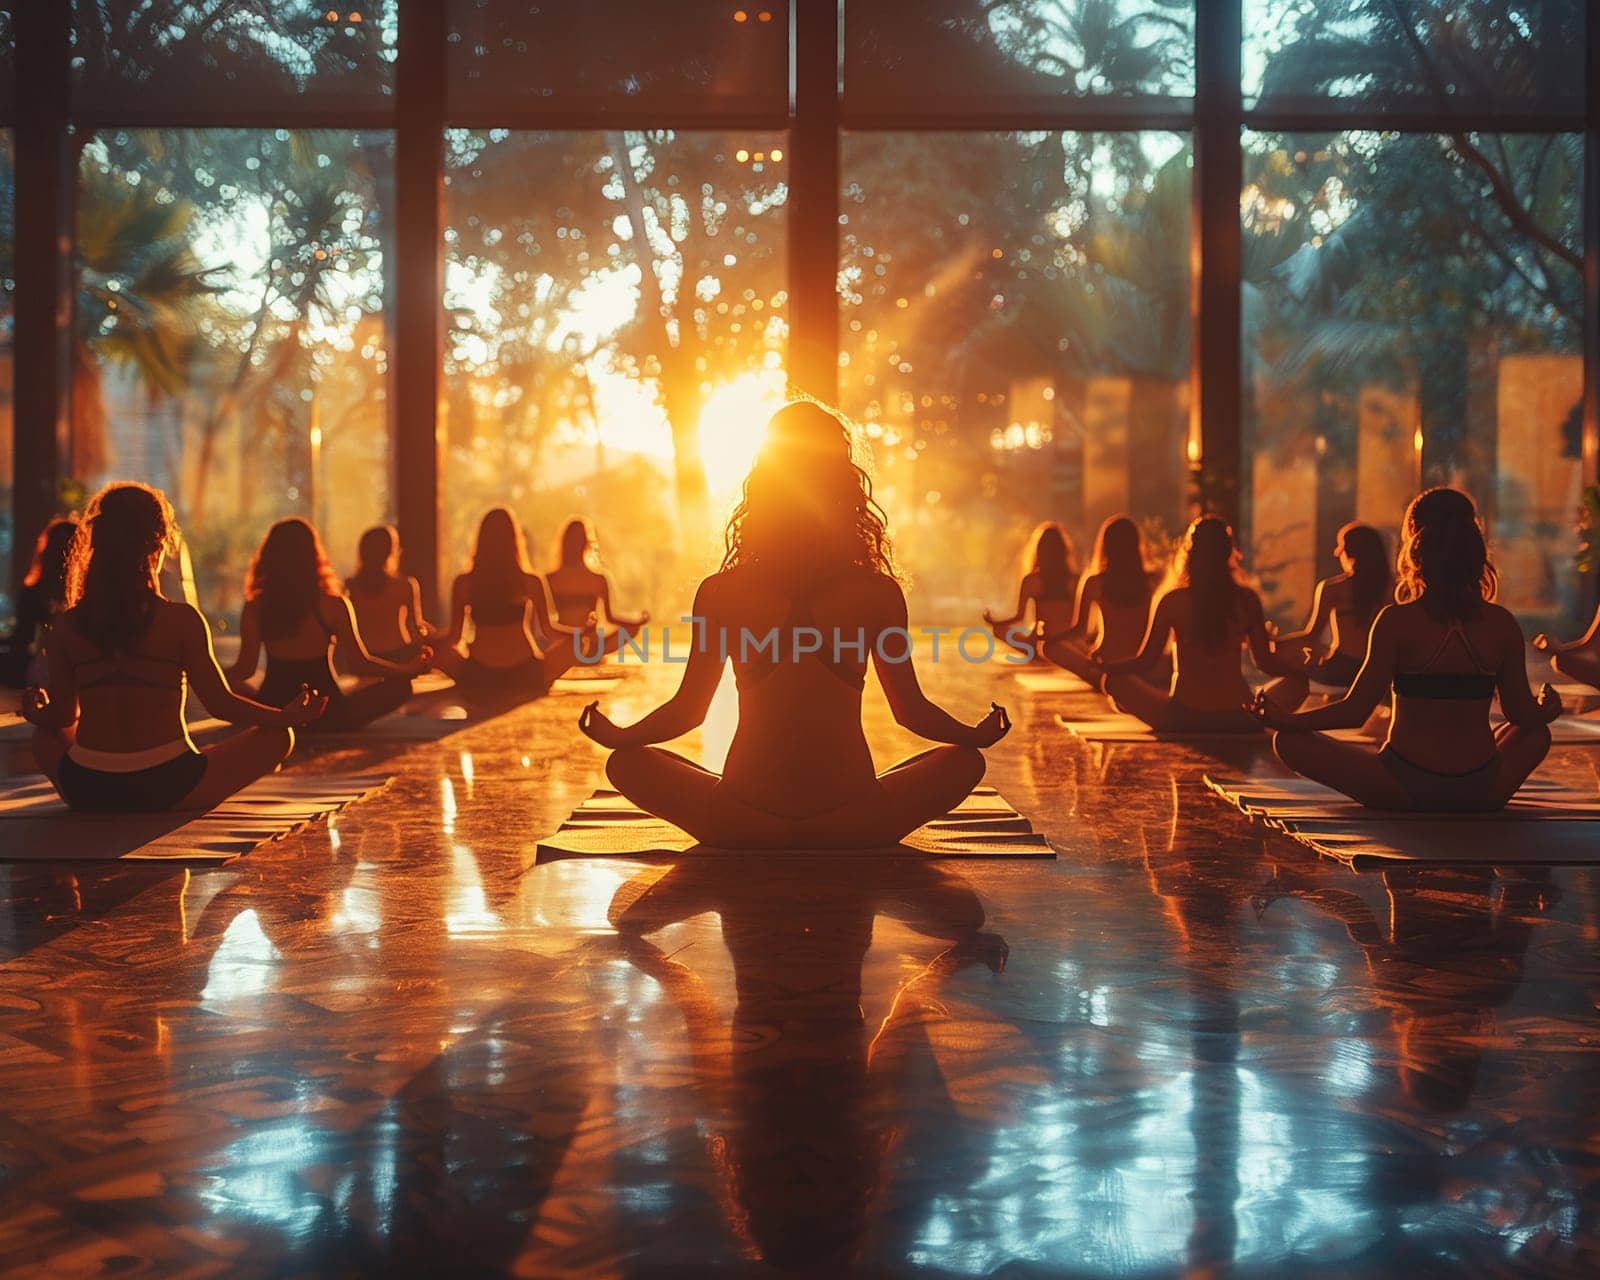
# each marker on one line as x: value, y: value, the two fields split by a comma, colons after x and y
x: 141, y: 294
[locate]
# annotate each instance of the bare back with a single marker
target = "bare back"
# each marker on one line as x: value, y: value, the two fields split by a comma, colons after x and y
x: 799, y: 748
x: 133, y: 701
x: 1451, y: 734
x: 1207, y: 675
x: 381, y: 614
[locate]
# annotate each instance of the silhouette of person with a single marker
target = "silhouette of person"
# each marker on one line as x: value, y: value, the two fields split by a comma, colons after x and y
x: 39, y: 601
x: 508, y: 606
x: 110, y: 731
x: 1113, y: 604
x: 580, y: 589
x: 807, y: 569
x: 1444, y: 651
x: 1049, y: 585
x: 388, y: 604
x: 1210, y: 614
x: 1344, y: 607
x: 293, y: 609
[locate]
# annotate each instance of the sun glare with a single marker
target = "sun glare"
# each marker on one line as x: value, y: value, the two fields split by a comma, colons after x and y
x: 732, y: 426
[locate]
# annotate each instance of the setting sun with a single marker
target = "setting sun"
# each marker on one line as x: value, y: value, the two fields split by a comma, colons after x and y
x: 732, y: 426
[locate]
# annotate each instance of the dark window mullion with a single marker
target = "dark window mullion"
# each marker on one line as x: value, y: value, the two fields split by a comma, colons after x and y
x: 1216, y: 403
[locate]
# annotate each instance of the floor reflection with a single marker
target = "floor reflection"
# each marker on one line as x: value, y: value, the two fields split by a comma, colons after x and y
x: 397, y: 1046
x: 797, y: 1093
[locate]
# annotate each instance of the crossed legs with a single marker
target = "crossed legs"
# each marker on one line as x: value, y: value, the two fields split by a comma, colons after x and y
x: 1356, y: 770
x: 902, y: 798
x: 231, y: 764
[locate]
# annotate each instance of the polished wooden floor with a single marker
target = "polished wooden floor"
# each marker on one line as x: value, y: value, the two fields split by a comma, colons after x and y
x: 393, y: 1045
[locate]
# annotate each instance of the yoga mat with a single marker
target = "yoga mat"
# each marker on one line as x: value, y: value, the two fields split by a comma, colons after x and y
x: 591, y: 685
x: 1575, y: 731
x: 1115, y: 727
x: 1463, y: 839
x: 36, y: 826
x: 1285, y: 802
x: 608, y: 825
x: 1048, y: 681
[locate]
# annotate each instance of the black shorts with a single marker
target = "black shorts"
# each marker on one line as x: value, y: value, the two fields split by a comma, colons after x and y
x: 153, y: 790
x: 526, y: 679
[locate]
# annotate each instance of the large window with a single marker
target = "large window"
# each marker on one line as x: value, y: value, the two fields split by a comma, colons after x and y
x: 1468, y: 56
x: 1015, y: 339
x: 617, y: 323
x: 1027, y: 228
x: 1413, y: 316
x: 299, y: 55
x: 229, y: 340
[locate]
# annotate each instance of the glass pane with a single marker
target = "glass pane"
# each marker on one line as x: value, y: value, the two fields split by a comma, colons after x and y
x: 579, y: 384
x: 7, y: 285
x: 230, y: 341
x: 568, y: 54
x: 1413, y: 314
x: 8, y: 66
x: 1441, y: 55
x: 1016, y: 340
x: 232, y: 53
x: 950, y: 55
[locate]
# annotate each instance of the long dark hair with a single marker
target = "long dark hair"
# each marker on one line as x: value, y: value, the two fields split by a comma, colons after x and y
x: 1444, y: 561
x: 1119, y: 560
x: 1370, y: 580
x: 1050, y: 556
x: 375, y: 554
x: 1208, y: 564
x: 111, y: 588
x: 499, y: 557
x: 806, y: 506
x: 288, y: 577
x: 47, y: 571
x: 575, y: 544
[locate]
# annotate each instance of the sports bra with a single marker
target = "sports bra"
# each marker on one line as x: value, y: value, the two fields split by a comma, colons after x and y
x: 575, y: 599
x: 761, y: 664
x: 1478, y: 686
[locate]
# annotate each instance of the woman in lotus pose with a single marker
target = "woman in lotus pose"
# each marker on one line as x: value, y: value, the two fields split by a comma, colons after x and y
x: 388, y: 605
x: 1049, y: 584
x: 1210, y: 614
x: 39, y: 603
x: 1113, y: 603
x: 501, y: 595
x: 110, y: 732
x: 578, y: 587
x: 1444, y: 651
x: 294, y: 610
x: 808, y: 575
x: 1345, y: 605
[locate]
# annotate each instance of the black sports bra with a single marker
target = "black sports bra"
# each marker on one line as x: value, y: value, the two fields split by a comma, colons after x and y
x: 502, y: 614
x: 1437, y: 686
x: 762, y: 664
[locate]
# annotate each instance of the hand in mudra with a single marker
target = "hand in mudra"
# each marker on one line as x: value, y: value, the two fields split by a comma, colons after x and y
x: 1549, y: 702
x: 304, y: 707
x: 992, y: 727
x: 597, y: 726
x: 1267, y: 711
